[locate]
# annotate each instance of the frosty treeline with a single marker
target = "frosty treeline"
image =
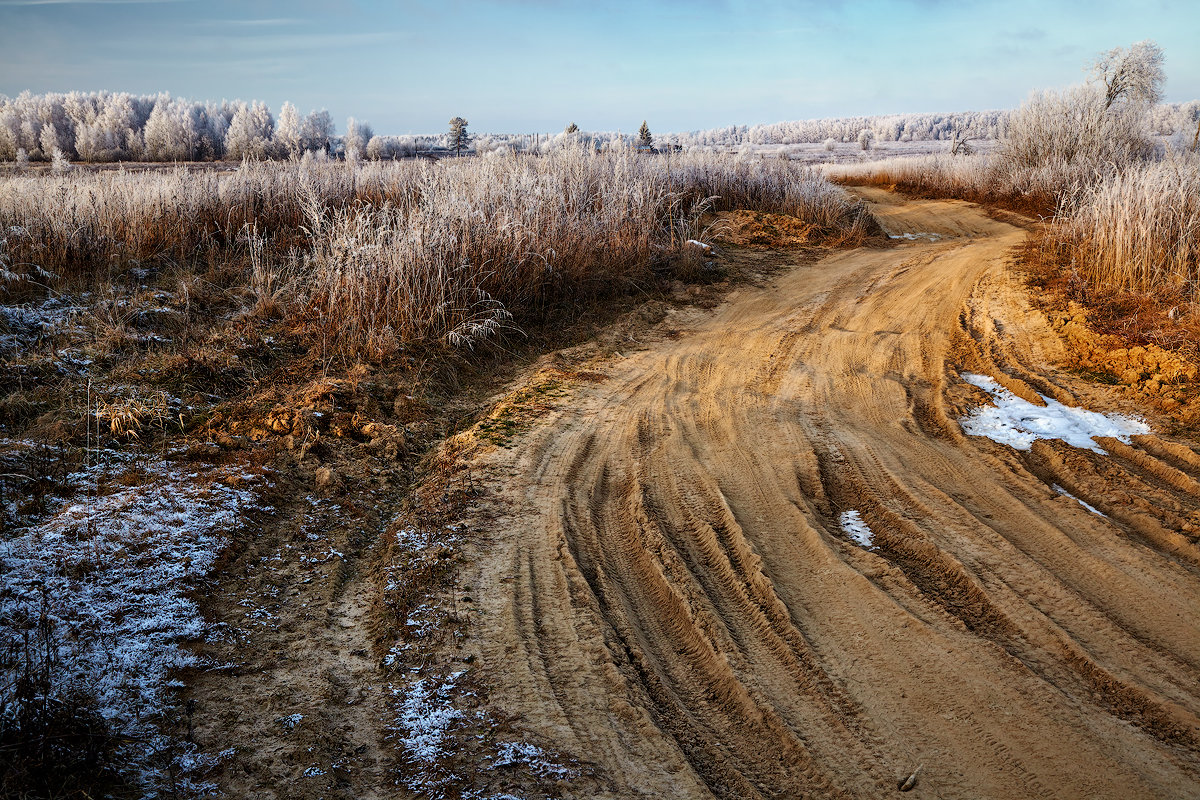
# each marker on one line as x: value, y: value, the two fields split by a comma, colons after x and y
x: 1165, y: 120
x: 117, y: 126
x: 112, y: 126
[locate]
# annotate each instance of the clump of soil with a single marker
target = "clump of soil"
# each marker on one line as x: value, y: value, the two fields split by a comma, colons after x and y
x: 1165, y: 378
x: 760, y: 229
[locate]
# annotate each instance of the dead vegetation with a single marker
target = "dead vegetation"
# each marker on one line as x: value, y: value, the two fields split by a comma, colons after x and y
x: 310, y: 330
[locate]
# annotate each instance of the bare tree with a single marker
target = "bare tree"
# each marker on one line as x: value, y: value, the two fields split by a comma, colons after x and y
x: 1134, y: 74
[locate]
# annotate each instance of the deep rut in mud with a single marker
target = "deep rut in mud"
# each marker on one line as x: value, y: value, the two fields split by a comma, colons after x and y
x: 671, y: 598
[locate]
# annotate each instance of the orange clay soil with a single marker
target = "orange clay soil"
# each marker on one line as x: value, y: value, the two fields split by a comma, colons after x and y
x: 666, y: 593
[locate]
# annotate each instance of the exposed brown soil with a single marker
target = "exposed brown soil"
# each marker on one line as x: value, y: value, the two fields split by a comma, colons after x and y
x: 761, y: 229
x: 663, y: 593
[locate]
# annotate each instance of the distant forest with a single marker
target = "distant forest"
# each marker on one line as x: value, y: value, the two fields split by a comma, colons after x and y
x: 117, y: 126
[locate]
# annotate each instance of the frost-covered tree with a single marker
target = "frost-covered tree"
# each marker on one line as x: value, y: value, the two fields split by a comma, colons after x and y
x: 458, y: 138
x: 572, y: 128
x: 287, y: 132
x: 377, y: 148
x: 316, y: 131
x: 59, y: 164
x: 170, y: 133
x: 645, y: 139
x: 49, y: 139
x: 250, y: 132
x: 358, y: 134
x: 830, y: 144
x: 1075, y: 127
x: 1134, y: 74
x: 866, y: 137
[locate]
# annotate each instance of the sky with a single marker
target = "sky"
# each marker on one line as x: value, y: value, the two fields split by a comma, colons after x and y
x: 535, y: 65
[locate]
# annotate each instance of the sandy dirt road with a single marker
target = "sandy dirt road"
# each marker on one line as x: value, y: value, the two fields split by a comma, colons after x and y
x: 670, y: 598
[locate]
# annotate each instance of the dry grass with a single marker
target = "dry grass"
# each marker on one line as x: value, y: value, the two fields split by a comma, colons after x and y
x: 377, y: 255
x: 1138, y: 229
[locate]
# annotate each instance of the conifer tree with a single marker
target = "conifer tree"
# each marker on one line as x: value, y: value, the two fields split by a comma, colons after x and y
x: 644, y: 137
x: 458, y: 134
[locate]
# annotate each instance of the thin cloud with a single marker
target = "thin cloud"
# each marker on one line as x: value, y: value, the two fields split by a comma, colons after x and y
x: 254, y: 23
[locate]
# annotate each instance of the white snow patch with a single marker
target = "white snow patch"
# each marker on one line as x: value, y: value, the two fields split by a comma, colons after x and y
x: 1065, y: 493
x: 1017, y: 423
x: 856, y: 529
x: 112, y: 576
x: 697, y: 243
x: 932, y: 237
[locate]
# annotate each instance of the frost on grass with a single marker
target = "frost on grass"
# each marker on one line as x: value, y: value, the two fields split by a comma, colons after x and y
x: 436, y: 716
x: 23, y: 326
x: 426, y: 723
x: 111, y: 575
x: 1018, y: 423
x: 854, y: 526
x: 1090, y: 508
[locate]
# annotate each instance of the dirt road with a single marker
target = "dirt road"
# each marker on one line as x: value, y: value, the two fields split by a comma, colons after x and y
x: 671, y: 597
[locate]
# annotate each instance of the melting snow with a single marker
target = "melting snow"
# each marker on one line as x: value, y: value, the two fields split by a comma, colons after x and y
x: 1017, y: 423
x: 933, y: 237
x: 1092, y: 509
x: 856, y: 529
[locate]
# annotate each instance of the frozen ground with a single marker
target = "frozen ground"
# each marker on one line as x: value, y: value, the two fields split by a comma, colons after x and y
x: 108, y: 580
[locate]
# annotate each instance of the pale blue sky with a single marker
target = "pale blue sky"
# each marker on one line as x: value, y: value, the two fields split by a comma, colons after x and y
x: 538, y: 64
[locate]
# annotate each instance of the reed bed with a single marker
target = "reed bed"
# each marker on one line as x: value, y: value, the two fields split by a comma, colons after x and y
x: 379, y: 254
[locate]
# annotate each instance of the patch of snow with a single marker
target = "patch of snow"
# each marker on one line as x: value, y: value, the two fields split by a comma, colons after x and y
x: 856, y: 529
x: 112, y: 576
x: 1018, y: 423
x: 932, y: 237
x: 425, y: 724
x: 1065, y: 493
x: 697, y: 243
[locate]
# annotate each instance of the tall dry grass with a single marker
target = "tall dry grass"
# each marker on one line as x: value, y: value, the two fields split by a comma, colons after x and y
x: 1136, y: 229
x: 480, y: 240
x: 1054, y: 143
x: 379, y: 254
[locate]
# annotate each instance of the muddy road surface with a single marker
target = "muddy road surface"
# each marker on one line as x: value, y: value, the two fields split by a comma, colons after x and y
x: 673, y: 596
